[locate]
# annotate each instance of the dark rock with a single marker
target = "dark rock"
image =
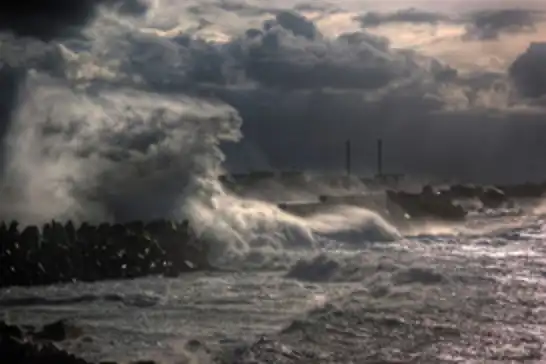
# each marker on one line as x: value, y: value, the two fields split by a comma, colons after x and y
x: 15, y: 347
x: 7, y: 330
x: 525, y: 190
x: 58, y: 331
x: 427, y: 204
x: 492, y: 197
x: 428, y: 191
x: 194, y: 345
x: 63, y: 253
x: 464, y: 191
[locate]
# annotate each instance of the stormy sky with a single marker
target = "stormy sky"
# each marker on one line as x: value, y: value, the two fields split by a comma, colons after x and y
x: 456, y: 89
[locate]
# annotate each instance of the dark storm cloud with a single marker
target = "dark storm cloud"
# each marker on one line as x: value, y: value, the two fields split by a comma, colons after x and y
x: 237, y: 7
x: 48, y: 19
x: 480, y: 25
x: 529, y: 71
x: 307, y: 130
x: 296, y: 24
x: 315, y: 6
x: 282, y: 61
x: 489, y: 24
x: 24, y: 29
x: 289, y: 53
x: 130, y: 7
x: 413, y: 16
x: 302, y: 94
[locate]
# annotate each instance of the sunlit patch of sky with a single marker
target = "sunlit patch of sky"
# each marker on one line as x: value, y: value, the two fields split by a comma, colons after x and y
x: 218, y: 23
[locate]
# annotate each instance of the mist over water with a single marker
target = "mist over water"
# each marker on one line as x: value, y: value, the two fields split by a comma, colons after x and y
x: 110, y: 153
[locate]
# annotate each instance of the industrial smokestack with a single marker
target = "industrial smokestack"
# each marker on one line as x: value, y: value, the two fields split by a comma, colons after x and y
x: 379, y: 157
x: 348, y: 156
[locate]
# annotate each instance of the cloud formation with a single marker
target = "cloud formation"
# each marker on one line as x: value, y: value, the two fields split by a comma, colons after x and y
x: 479, y: 25
x: 49, y: 19
x: 490, y: 24
x: 306, y: 90
x: 141, y: 101
x: 411, y: 15
x: 529, y: 70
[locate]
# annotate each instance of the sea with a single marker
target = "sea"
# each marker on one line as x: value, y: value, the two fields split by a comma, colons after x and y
x: 468, y: 293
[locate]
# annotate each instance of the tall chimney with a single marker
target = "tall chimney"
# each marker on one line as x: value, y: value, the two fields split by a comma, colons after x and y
x: 348, y: 156
x: 379, y: 157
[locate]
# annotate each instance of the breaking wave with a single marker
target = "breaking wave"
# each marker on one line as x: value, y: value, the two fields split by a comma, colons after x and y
x: 86, y: 147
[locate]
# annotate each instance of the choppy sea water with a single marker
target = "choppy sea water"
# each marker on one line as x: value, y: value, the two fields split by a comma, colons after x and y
x: 474, y: 294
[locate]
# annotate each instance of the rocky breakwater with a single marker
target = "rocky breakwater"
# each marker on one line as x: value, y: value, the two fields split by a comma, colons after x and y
x: 427, y: 204
x: 499, y: 195
x: 489, y: 196
x: 445, y: 203
x: 56, y: 252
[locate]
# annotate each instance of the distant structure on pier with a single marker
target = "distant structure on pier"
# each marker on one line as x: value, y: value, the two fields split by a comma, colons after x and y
x: 379, y: 179
x: 380, y: 176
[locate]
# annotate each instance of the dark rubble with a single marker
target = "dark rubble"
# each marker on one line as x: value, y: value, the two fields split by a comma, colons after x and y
x: 21, y: 346
x: 56, y: 253
x: 30, y: 346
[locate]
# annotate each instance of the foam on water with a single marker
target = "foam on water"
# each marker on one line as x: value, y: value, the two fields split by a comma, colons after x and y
x: 241, y: 227
x: 352, y: 224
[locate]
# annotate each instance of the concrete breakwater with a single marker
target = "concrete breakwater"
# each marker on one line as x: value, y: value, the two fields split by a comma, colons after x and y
x: 395, y: 206
x: 435, y: 203
x: 56, y: 252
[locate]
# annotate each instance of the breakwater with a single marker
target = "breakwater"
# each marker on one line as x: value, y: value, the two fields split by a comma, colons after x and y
x: 62, y: 252
x: 56, y: 252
